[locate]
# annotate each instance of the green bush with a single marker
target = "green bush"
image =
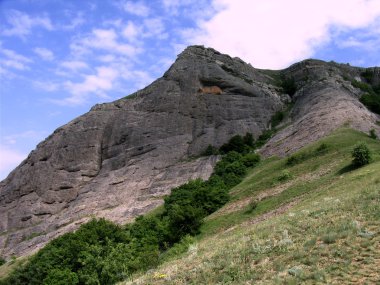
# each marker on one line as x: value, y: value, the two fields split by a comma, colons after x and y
x: 296, y: 159
x: 2, y: 261
x: 237, y: 168
x: 248, y: 140
x: 289, y: 85
x: 236, y: 143
x: 361, y: 155
x: 376, y: 89
x: 231, y: 156
x: 264, y: 137
x: 231, y: 180
x: 251, y: 159
x: 61, y: 277
x: 210, y: 150
x: 372, y: 134
x: 368, y: 75
x: 277, y: 118
x: 362, y: 86
x: 284, y: 176
x: 184, y: 219
x: 181, y: 247
x: 251, y: 206
x: 322, y: 149
x: 301, y: 157
x: 212, y: 196
x: 371, y: 101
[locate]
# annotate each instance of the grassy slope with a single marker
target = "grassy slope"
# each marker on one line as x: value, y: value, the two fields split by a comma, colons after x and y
x: 320, y: 225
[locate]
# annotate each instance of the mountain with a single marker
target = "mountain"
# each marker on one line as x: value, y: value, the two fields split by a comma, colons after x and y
x: 118, y: 160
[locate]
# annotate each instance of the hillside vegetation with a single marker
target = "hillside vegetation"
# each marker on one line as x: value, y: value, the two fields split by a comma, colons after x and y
x: 101, y: 252
x: 311, y: 218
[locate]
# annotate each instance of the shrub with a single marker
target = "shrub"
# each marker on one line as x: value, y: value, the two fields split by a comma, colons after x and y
x: 371, y: 101
x: 211, y: 197
x: 322, y: 149
x: 264, y: 137
x: 296, y: 159
x: 289, y: 85
x: 251, y: 159
x: 330, y: 238
x: 376, y: 89
x: 231, y: 180
x: 251, y: 206
x: 61, y: 277
x: 184, y: 220
x: 368, y: 75
x: 248, y: 140
x: 372, y: 134
x: 232, y: 156
x: 210, y: 150
x: 231, y: 163
x: 361, y: 155
x: 236, y: 168
x: 284, y: 176
x: 178, y: 248
x: 2, y: 261
x: 236, y: 143
x: 277, y: 118
x: 362, y: 86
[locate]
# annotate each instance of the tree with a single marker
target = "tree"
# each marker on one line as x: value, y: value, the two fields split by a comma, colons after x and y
x: 61, y: 277
x: 361, y: 155
x: 236, y: 143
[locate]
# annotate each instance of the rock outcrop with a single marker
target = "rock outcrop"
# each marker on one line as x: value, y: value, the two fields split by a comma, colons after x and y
x: 325, y: 100
x: 120, y: 159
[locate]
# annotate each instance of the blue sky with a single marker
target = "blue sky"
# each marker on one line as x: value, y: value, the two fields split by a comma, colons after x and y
x: 58, y: 58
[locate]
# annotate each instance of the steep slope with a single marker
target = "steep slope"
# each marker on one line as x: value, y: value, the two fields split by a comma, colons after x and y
x: 319, y: 224
x: 325, y: 100
x: 119, y: 159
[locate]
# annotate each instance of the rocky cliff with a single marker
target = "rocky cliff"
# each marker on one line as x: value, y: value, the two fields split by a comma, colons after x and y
x: 119, y: 159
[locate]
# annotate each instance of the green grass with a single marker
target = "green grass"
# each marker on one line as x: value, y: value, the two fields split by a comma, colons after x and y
x: 320, y: 225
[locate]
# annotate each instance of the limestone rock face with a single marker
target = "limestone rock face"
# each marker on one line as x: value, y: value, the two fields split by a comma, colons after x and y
x: 118, y: 160
x: 325, y: 101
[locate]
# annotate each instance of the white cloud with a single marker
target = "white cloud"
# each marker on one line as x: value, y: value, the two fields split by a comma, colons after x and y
x: 98, y: 83
x: 154, y: 27
x: 14, y: 60
x: 2, y: 71
x: 30, y: 134
x: 9, y: 159
x: 77, y: 21
x: 21, y: 24
x: 138, y: 77
x: 130, y: 31
x: 107, y: 58
x: 174, y: 6
x: 74, y: 65
x: 103, y: 39
x: 46, y: 86
x: 136, y: 8
x: 44, y: 53
x: 14, y: 64
x: 275, y: 33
